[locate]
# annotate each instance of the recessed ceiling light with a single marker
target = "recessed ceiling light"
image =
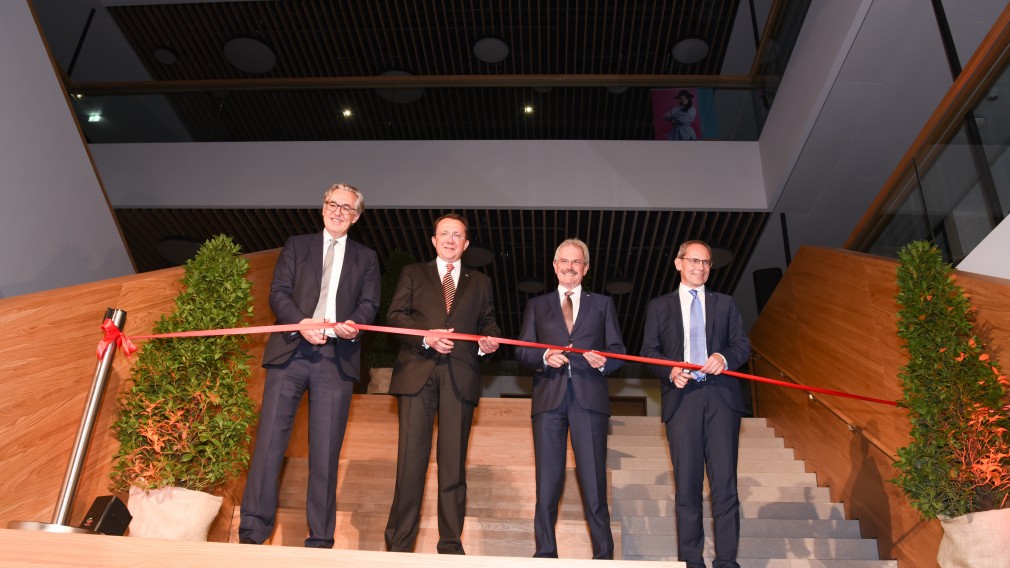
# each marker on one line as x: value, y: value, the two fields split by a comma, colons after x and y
x: 528, y: 109
x: 399, y: 96
x: 250, y: 55
x: 348, y: 113
x: 721, y: 256
x: 690, y: 50
x: 530, y: 285
x: 490, y: 50
x: 476, y: 256
x: 617, y: 89
x: 79, y: 96
x: 165, y: 55
x: 95, y: 117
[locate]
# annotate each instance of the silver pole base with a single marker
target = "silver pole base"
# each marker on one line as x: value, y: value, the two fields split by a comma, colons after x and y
x: 47, y: 527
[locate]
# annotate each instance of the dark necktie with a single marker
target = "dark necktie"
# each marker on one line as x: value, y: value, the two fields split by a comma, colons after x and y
x: 448, y: 287
x: 568, y: 309
x: 699, y: 353
x: 324, y: 291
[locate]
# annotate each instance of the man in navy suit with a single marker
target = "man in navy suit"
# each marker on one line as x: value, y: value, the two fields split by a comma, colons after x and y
x: 701, y: 409
x: 570, y: 393
x: 325, y: 362
x: 435, y: 375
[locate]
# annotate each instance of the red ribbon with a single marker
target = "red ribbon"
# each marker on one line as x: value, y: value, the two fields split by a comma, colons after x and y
x: 112, y: 333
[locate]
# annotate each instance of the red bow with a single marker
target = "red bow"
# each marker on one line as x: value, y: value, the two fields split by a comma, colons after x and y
x: 113, y: 335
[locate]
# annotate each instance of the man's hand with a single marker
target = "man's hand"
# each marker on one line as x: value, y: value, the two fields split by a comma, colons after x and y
x: 488, y: 344
x: 680, y: 376
x: 441, y: 344
x: 314, y: 336
x: 556, y: 358
x: 346, y: 330
x: 594, y: 359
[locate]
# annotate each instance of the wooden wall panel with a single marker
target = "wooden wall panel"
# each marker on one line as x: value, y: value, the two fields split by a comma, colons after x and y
x: 47, y: 361
x: 831, y: 323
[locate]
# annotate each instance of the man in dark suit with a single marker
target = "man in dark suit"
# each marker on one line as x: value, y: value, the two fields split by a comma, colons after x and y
x: 433, y: 374
x: 570, y: 393
x: 701, y: 409
x: 322, y: 277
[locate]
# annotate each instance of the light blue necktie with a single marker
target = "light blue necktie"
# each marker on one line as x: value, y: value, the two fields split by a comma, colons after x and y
x: 699, y: 353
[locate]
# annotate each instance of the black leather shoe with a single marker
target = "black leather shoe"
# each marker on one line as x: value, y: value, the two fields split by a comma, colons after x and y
x: 246, y: 540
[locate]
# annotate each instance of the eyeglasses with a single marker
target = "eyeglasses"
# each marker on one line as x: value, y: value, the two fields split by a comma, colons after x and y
x: 696, y: 261
x: 454, y: 236
x: 333, y: 206
x: 563, y: 261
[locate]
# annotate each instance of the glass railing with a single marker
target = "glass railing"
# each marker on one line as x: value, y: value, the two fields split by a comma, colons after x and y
x: 953, y: 188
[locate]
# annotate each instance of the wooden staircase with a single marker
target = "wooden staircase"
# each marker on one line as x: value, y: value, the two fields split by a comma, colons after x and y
x: 787, y: 521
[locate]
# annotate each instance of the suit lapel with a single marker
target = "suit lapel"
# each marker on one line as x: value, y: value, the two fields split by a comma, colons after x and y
x: 345, y: 263
x: 711, y: 303
x: 461, y: 285
x: 585, y: 301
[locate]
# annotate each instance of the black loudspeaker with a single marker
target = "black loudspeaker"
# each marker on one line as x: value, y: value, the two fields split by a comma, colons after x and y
x: 107, y: 515
x: 765, y: 281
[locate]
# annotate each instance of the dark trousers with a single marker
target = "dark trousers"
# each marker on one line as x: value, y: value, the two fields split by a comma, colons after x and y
x: 704, y: 435
x: 589, y: 443
x: 329, y: 403
x: 417, y: 415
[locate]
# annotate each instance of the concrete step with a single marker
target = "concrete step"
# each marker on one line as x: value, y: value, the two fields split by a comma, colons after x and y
x: 744, y: 466
x: 663, y: 546
x: 481, y: 536
x: 653, y: 426
x: 748, y: 509
x: 620, y: 478
x: 621, y: 441
x: 747, y: 493
x: 785, y: 562
x: 801, y: 528
x: 746, y: 453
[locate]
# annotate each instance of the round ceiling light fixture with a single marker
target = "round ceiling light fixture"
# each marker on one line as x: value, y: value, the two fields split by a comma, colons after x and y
x: 250, y: 55
x: 530, y: 285
x: 690, y: 50
x: 490, y: 50
x: 617, y: 89
x: 165, y: 55
x: 721, y: 256
x: 177, y: 250
x: 477, y: 256
x: 619, y: 286
x: 399, y: 96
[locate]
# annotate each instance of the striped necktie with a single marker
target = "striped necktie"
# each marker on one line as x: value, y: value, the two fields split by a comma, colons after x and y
x: 448, y: 287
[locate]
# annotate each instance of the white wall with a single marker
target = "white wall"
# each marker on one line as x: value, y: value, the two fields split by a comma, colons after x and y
x: 57, y: 227
x: 473, y: 173
x: 990, y: 256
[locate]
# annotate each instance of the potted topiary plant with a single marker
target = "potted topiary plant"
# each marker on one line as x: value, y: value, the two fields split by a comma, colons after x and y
x: 184, y: 423
x: 957, y: 465
x: 380, y: 349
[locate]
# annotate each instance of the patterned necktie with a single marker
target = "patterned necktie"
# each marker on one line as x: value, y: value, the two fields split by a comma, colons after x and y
x: 448, y: 287
x: 324, y: 291
x: 699, y: 353
x: 568, y: 309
